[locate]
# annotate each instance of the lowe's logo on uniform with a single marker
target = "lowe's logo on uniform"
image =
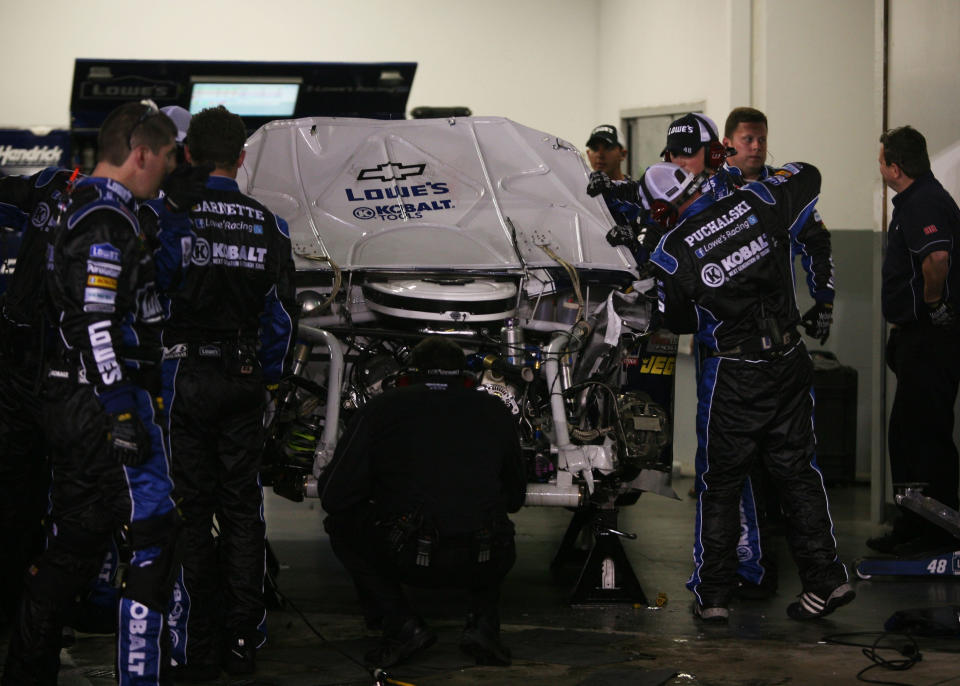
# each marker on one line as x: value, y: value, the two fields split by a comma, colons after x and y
x: 104, y: 251
x: 748, y: 254
x: 714, y: 225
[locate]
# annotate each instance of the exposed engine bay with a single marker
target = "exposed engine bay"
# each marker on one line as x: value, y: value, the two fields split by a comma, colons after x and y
x: 479, y: 229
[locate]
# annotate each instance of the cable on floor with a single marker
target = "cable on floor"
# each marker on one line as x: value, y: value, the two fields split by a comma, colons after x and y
x: 380, y: 677
x: 909, y: 652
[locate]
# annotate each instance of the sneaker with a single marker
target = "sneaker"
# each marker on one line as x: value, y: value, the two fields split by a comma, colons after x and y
x: 481, y: 641
x: 932, y: 542
x: 240, y: 656
x: 812, y: 606
x: 711, y: 614
x: 887, y: 542
x: 412, y: 637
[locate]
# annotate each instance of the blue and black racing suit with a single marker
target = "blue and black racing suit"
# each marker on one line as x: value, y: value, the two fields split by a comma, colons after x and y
x: 727, y: 277
x: 98, y: 284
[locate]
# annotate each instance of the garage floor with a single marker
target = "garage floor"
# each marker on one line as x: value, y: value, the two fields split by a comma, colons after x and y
x: 556, y: 644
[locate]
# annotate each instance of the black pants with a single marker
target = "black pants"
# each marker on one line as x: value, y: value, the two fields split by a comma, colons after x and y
x: 24, y: 477
x: 215, y: 437
x: 926, y: 360
x: 92, y: 496
x: 378, y: 573
x: 748, y: 411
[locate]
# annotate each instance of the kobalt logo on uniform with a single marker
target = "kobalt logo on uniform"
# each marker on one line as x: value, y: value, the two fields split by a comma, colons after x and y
x: 712, y: 275
x: 748, y: 254
x: 228, y: 254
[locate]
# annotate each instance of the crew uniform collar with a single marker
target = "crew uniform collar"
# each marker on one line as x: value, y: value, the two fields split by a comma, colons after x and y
x: 222, y: 183
x: 110, y: 189
x: 697, y: 206
x: 923, y: 180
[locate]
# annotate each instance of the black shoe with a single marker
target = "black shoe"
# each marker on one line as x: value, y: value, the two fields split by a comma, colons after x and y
x: 711, y: 614
x: 812, y: 605
x: 932, y: 542
x: 240, y: 656
x: 481, y: 641
x: 412, y: 637
x: 195, y: 672
x: 887, y: 542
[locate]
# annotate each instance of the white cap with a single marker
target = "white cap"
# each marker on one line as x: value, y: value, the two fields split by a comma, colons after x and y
x: 666, y: 181
x: 180, y: 118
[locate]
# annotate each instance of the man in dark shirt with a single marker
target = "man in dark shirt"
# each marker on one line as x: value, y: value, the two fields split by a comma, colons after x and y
x: 27, y: 203
x: 228, y: 335
x: 726, y: 277
x: 920, y: 297
x: 418, y: 492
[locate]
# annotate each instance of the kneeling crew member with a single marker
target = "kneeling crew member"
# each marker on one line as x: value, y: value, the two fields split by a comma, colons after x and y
x: 418, y: 492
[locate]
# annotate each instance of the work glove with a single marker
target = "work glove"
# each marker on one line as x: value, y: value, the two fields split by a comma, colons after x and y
x: 622, y: 234
x: 128, y: 438
x: 942, y: 314
x: 817, y: 320
x: 598, y: 183
x: 184, y: 186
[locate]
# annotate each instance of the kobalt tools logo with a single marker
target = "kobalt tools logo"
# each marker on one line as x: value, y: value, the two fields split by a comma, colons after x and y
x: 748, y: 254
x: 45, y: 155
x: 391, y: 171
x: 396, y: 210
x: 712, y: 275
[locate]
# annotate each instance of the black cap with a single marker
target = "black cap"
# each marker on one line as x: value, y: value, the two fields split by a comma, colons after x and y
x: 689, y: 133
x: 606, y: 133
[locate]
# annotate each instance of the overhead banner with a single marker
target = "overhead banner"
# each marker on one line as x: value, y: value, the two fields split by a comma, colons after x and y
x: 24, y: 152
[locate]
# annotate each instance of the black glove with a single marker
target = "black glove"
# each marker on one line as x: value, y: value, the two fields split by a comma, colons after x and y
x: 942, y: 314
x: 128, y: 438
x: 184, y: 186
x: 817, y: 320
x: 598, y: 183
x: 622, y: 234
x: 649, y: 235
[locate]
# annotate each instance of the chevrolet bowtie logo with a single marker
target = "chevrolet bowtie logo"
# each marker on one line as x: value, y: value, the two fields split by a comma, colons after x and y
x: 391, y: 171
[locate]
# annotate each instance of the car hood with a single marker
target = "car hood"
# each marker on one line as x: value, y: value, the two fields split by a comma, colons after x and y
x: 465, y: 193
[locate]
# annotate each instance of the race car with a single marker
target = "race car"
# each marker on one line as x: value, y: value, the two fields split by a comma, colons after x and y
x: 480, y: 229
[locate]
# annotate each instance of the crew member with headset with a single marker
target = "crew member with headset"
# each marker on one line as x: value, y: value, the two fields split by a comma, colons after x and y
x: 725, y: 275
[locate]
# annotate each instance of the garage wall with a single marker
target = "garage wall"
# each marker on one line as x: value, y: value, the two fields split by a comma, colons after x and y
x: 532, y: 61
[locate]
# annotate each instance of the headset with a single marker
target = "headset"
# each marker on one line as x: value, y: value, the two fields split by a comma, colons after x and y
x: 665, y: 212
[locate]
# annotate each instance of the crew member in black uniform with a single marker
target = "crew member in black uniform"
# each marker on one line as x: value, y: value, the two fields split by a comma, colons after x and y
x: 418, y: 492
x: 108, y: 461
x: 26, y: 203
x: 229, y: 334
x: 920, y: 296
x: 727, y: 278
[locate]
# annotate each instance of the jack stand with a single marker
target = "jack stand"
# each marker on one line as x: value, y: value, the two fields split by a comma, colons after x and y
x: 945, y: 563
x: 606, y: 576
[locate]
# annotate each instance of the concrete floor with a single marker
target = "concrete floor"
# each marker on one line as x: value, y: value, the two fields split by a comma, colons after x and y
x: 556, y: 644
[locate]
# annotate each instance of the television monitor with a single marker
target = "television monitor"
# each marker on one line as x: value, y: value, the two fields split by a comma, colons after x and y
x: 246, y: 98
